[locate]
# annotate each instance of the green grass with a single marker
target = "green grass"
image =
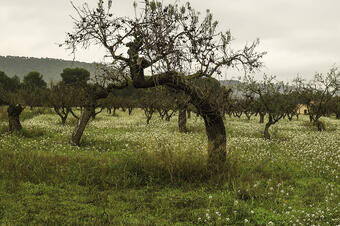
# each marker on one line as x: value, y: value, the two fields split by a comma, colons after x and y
x: 130, y: 173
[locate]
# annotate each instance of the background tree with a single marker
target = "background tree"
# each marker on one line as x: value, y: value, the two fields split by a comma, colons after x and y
x: 75, y: 76
x: 175, y: 45
x: 271, y: 95
x: 317, y: 93
x: 91, y: 94
x: 34, y: 80
x: 50, y: 68
x: 293, y: 102
x: 63, y: 97
x: 8, y: 96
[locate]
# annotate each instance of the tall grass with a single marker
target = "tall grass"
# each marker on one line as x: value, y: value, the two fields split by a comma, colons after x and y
x: 125, y: 166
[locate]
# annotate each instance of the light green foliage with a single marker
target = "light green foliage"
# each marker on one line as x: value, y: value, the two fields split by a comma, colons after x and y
x: 130, y: 173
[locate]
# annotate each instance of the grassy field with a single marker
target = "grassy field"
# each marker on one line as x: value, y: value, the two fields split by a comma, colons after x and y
x: 130, y: 173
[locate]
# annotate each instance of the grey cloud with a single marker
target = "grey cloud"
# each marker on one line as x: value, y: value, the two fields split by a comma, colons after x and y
x: 300, y: 36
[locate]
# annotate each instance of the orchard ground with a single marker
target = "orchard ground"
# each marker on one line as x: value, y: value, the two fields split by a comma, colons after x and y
x: 128, y: 173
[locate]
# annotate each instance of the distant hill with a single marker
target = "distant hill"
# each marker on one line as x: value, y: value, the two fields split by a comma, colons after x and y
x: 50, y: 68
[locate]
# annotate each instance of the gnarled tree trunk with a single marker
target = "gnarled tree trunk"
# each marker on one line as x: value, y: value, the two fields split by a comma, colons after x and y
x: 79, y: 129
x: 266, y: 130
x: 216, y: 134
x: 213, y: 121
x: 14, y: 112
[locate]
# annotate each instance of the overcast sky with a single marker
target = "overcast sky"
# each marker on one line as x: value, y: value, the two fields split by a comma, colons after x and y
x: 301, y: 36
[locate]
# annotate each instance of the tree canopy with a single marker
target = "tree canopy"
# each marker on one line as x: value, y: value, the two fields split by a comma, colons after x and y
x: 75, y: 76
x: 174, y: 44
x: 34, y: 80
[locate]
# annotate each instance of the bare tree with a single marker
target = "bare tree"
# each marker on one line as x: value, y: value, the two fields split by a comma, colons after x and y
x: 271, y: 96
x: 63, y: 97
x: 174, y: 45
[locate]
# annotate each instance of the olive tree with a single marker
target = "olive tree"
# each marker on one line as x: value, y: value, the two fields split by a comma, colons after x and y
x: 63, y: 97
x: 167, y: 45
x: 271, y: 96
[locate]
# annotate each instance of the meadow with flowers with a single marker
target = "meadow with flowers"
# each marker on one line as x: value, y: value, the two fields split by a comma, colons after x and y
x: 129, y: 173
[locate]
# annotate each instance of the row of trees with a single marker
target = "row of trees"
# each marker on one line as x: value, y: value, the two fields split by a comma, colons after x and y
x: 278, y: 100
x: 252, y: 97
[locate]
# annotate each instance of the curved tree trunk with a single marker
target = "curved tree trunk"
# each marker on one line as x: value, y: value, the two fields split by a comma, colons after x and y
x: 266, y: 130
x: 217, y: 140
x: 14, y: 112
x: 205, y: 106
x: 182, y: 120
x: 79, y: 129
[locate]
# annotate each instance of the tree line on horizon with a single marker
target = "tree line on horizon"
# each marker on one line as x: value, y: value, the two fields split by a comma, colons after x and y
x: 49, y: 67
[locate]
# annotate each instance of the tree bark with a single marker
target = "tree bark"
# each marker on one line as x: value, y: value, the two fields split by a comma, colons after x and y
x: 79, y: 129
x: 14, y: 112
x: 216, y: 134
x: 182, y: 120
